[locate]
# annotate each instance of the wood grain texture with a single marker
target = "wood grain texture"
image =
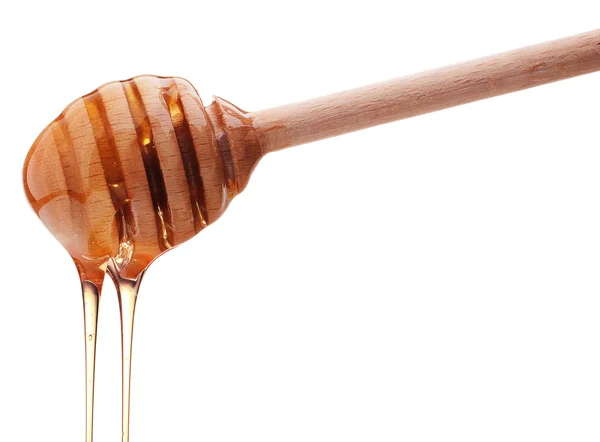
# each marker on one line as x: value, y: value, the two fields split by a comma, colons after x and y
x: 426, y: 92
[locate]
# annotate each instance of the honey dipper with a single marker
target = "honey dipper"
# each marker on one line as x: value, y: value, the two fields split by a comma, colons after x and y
x: 139, y: 166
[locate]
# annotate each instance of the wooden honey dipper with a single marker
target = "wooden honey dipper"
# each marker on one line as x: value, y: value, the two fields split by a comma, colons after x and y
x: 140, y: 166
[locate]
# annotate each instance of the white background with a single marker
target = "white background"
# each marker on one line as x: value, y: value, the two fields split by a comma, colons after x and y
x: 432, y: 279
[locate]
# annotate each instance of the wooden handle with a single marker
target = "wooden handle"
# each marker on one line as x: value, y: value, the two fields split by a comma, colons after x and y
x: 430, y: 91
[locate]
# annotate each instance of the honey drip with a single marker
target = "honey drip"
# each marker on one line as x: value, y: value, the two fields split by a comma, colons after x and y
x: 91, y: 302
x: 127, y: 291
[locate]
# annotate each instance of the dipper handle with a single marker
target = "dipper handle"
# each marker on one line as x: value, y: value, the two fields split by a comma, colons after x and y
x: 429, y: 91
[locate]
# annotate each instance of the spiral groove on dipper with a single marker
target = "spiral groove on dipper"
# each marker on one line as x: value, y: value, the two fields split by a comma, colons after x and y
x: 136, y: 161
x: 154, y: 176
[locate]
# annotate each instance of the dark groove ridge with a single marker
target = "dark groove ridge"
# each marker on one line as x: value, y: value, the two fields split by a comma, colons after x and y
x: 111, y: 164
x: 224, y: 148
x: 154, y: 175
x: 193, y: 176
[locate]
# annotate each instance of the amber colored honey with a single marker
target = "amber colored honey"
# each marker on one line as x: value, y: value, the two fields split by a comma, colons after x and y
x: 124, y: 174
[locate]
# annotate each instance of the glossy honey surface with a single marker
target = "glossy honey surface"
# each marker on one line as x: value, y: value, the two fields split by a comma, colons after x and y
x: 129, y: 171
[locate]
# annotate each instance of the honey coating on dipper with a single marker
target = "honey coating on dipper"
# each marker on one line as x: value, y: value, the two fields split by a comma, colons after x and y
x: 129, y: 171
